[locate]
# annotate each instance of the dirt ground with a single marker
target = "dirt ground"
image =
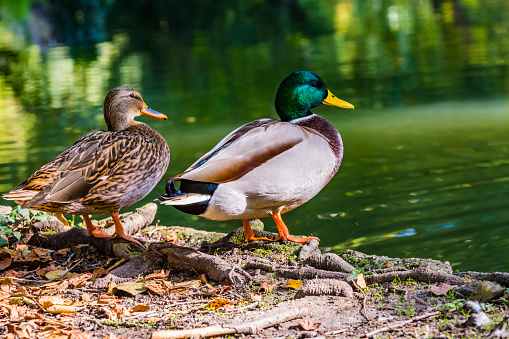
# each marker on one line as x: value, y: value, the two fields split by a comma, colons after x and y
x: 188, y: 284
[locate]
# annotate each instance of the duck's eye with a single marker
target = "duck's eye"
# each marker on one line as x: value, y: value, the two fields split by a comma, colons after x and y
x: 131, y: 95
x: 314, y: 84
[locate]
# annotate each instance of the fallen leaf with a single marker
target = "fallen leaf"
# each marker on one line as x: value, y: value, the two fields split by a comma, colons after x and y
x: 140, y: 308
x: 157, y: 286
x: 158, y: 274
x: 266, y: 287
x: 295, y: 284
x: 56, y: 274
x: 440, y: 289
x: 98, y: 273
x: 23, y: 331
x: 11, y: 273
x: 308, y: 325
x: 129, y: 288
x: 188, y: 284
x: 106, y: 299
x: 50, y: 300
x: 61, y: 309
x: 5, y: 260
x: 218, y: 303
x: 361, y: 282
x: 63, y: 251
x: 21, y: 300
x: 79, y: 280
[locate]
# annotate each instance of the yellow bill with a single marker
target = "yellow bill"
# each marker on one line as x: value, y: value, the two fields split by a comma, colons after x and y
x: 332, y: 100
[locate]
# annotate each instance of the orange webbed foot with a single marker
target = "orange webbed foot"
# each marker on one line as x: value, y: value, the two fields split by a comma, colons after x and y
x: 298, y: 240
x: 248, y: 233
x: 131, y: 239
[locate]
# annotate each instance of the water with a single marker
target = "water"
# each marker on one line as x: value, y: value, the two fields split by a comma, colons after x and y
x: 426, y: 167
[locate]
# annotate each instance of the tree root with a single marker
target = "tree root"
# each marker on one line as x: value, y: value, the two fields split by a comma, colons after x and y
x: 311, y: 255
x: 215, y: 268
x: 238, y: 328
x: 421, y: 274
x: 325, y: 287
x: 498, y: 277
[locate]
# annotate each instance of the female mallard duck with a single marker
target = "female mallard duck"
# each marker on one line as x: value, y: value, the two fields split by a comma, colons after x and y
x: 266, y: 167
x: 104, y: 171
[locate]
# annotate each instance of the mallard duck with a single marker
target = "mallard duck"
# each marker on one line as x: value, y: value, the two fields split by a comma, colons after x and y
x: 266, y: 167
x: 104, y: 171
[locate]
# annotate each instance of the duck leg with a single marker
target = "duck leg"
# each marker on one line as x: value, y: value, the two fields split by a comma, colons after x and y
x: 248, y: 232
x: 94, y: 231
x: 285, y: 234
x: 119, y: 230
x: 60, y: 217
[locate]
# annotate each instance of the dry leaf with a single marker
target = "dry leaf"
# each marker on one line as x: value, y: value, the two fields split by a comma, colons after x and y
x: 98, y: 273
x: 56, y: 274
x: 441, y: 289
x: 61, y: 309
x: 79, y: 280
x: 11, y: 273
x: 63, y: 251
x: 361, y: 282
x: 188, y: 284
x: 308, y: 325
x: 140, y: 308
x: 157, y: 286
x: 158, y: 274
x: 266, y: 287
x: 218, y: 303
x: 106, y: 299
x: 129, y: 288
x: 5, y: 260
x: 50, y: 300
x: 23, y: 331
x: 295, y: 284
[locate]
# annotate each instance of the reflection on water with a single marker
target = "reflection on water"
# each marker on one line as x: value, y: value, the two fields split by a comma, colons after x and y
x: 426, y: 168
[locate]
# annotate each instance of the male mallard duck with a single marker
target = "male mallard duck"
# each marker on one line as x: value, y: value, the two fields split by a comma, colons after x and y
x: 266, y: 167
x: 104, y: 171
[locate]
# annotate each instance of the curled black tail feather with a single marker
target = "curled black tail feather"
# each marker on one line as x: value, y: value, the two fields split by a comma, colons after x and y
x: 171, y: 190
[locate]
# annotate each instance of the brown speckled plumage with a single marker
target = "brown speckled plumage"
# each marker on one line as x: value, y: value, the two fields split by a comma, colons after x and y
x: 104, y: 171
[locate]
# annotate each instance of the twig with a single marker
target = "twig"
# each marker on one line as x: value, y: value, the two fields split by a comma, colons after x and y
x: 363, y: 310
x: 239, y: 328
x: 396, y: 325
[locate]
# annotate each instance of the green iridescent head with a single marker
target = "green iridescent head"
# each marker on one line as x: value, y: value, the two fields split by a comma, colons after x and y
x: 300, y: 92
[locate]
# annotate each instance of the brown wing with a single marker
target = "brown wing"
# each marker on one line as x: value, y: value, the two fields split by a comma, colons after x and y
x: 245, y: 149
x: 74, y: 172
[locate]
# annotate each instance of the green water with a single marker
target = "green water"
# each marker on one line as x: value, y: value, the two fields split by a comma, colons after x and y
x: 426, y: 166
